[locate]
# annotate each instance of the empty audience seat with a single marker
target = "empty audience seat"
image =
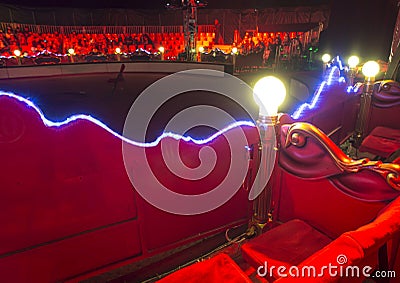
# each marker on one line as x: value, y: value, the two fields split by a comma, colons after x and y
x: 382, y: 141
x: 285, y: 245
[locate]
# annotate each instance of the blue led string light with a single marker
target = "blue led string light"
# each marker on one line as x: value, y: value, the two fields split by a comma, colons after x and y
x: 328, y: 81
x: 70, y: 119
x: 296, y: 114
x: 47, y: 52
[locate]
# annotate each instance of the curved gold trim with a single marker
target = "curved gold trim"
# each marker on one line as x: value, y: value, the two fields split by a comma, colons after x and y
x: 298, y: 132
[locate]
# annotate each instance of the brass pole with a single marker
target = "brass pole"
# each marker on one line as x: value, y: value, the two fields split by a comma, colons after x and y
x: 262, y: 205
x: 365, y: 109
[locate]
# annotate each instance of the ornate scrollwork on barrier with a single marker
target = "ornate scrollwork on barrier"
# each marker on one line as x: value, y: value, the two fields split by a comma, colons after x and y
x: 387, y: 94
x: 297, y: 136
x: 391, y: 172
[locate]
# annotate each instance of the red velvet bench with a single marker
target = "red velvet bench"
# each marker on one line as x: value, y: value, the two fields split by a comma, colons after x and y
x: 382, y: 141
x: 286, y: 245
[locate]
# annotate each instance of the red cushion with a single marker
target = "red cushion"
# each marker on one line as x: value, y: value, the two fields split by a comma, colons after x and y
x: 386, y: 133
x: 220, y: 268
x: 381, y: 141
x: 344, y: 251
x: 286, y: 245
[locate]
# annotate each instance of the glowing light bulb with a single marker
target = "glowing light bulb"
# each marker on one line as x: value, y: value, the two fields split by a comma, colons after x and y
x: 71, y: 51
x: 234, y: 50
x: 269, y: 93
x: 326, y: 58
x: 17, y: 52
x: 201, y: 49
x: 353, y: 61
x: 370, y: 69
x: 161, y: 49
x: 118, y: 50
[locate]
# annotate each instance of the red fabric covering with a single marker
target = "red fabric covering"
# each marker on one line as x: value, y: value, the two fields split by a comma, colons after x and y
x: 344, y: 245
x: 381, y: 141
x: 360, y: 247
x: 220, y: 268
x: 382, y: 229
x: 285, y: 245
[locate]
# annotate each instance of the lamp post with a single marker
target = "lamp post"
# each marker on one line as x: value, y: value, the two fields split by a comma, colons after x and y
x: 370, y: 70
x: 326, y: 58
x: 17, y: 54
x: 353, y: 62
x: 161, y: 49
x: 118, y: 53
x: 71, y: 53
x: 201, y: 51
x: 234, y: 53
x: 269, y: 93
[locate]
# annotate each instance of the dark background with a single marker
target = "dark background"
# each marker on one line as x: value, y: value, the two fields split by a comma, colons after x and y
x: 357, y: 27
x: 160, y: 4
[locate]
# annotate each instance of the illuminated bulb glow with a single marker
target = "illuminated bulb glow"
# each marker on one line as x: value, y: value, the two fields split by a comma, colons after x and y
x: 71, y: 51
x: 118, y: 50
x: 161, y: 49
x: 353, y: 61
x: 201, y: 49
x: 49, y: 123
x: 326, y: 58
x: 370, y: 69
x: 17, y: 52
x: 269, y: 93
x: 234, y: 50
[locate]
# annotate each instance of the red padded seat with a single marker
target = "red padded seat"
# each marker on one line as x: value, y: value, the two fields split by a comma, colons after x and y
x: 285, y: 245
x: 382, y: 141
x: 220, y: 268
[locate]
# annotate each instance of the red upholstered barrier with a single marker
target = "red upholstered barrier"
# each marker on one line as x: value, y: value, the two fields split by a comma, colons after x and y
x: 69, y: 208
